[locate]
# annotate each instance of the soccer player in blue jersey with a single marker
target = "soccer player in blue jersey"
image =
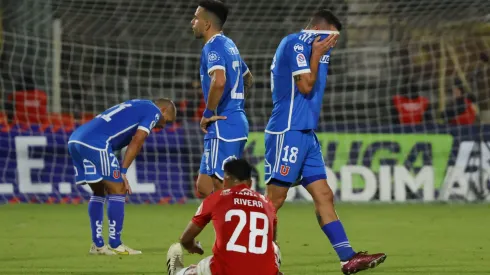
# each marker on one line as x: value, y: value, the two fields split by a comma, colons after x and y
x: 92, y: 148
x: 223, y: 75
x: 293, y: 152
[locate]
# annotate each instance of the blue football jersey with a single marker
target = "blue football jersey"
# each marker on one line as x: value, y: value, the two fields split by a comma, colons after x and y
x: 116, y: 126
x: 292, y: 109
x: 221, y: 53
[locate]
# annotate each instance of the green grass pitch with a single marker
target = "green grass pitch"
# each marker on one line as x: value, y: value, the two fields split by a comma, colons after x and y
x: 419, y: 239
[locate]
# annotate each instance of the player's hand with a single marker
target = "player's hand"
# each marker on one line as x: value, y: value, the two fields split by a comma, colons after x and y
x: 320, y: 48
x: 206, y: 121
x: 126, y: 184
x: 196, y: 249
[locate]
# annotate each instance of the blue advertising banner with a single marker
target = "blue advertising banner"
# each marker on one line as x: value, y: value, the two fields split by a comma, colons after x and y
x: 364, y: 163
x: 36, y: 167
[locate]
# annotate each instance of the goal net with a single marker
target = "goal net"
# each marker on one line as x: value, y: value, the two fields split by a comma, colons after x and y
x: 64, y: 61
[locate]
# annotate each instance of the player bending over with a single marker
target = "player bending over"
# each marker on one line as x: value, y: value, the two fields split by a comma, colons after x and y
x: 92, y: 148
x: 223, y: 74
x: 299, y: 76
x: 244, y: 222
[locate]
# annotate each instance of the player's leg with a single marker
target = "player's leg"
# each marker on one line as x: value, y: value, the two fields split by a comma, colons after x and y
x: 206, y: 181
x: 86, y: 171
x: 96, y: 215
x: 116, y: 200
x: 315, y: 181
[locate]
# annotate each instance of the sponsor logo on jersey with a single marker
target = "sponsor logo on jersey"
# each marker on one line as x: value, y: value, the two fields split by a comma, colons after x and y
x: 325, y: 59
x: 116, y: 174
x: 284, y: 170
x: 213, y: 56
x: 301, y: 60
x: 298, y: 48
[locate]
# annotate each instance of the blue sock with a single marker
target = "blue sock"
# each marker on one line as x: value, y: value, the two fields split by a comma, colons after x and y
x: 115, y: 212
x: 336, y: 234
x: 96, y: 214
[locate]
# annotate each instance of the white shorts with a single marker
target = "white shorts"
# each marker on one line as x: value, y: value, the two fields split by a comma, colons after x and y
x: 204, y: 266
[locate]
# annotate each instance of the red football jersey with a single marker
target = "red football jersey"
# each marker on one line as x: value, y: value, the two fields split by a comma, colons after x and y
x: 244, y: 222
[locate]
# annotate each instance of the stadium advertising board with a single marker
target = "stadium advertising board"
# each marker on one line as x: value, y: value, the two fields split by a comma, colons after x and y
x: 397, y: 167
x: 387, y: 167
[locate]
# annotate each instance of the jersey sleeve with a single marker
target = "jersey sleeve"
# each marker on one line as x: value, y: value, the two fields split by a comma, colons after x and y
x: 150, y: 119
x: 204, y: 213
x: 299, y: 54
x: 215, y: 57
x: 244, y: 68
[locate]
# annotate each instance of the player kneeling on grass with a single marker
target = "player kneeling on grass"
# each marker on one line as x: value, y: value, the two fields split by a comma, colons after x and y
x: 244, y: 222
x: 92, y: 148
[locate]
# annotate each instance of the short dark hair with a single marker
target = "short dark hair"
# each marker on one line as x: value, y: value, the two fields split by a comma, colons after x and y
x: 218, y: 8
x: 328, y: 16
x: 239, y: 169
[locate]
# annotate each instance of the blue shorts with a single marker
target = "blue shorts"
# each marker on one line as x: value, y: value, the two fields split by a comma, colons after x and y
x: 93, y: 165
x: 216, y: 153
x: 292, y: 156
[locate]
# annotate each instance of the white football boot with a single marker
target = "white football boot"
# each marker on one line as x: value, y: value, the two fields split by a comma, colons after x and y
x: 175, y: 259
x: 104, y: 250
x: 123, y: 249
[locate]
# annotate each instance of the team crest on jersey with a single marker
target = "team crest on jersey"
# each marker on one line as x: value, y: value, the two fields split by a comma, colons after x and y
x: 213, y: 56
x: 301, y: 60
x: 298, y: 48
x: 116, y: 174
x: 284, y: 170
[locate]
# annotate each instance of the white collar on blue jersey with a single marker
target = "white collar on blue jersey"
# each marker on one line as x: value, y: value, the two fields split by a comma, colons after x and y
x: 213, y: 37
x: 320, y: 31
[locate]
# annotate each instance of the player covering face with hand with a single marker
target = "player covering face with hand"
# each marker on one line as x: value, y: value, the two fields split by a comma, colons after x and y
x: 244, y: 222
x: 92, y: 148
x: 224, y: 75
x: 293, y: 152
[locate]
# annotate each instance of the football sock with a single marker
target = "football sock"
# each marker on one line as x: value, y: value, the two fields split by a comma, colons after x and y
x: 96, y: 214
x: 336, y: 234
x: 115, y: 212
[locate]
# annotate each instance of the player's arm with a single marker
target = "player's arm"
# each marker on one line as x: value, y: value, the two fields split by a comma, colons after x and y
x: 188, y: 238
x: 133, y: 149
x: 216, y: 89
x: 146, y: 124
x: 248, y: 79
x: 305, y: 79
x: 196, y: 225
x: 216, y: 70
